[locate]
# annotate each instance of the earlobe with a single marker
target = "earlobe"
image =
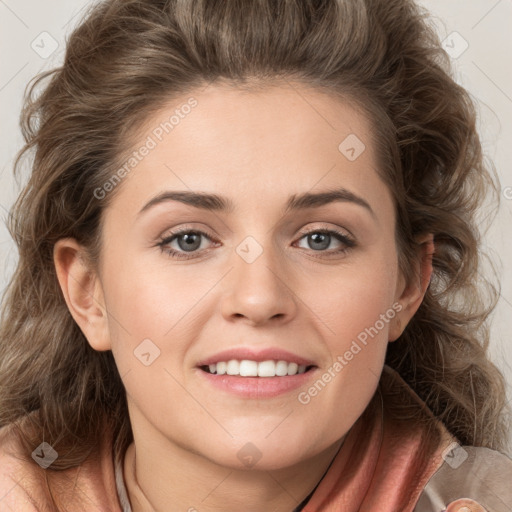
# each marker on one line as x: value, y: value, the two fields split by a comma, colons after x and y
x: 82, y: 292
x: 413, y: 293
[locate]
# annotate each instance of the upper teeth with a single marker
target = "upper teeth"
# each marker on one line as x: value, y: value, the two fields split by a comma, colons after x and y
x: 247, y: 368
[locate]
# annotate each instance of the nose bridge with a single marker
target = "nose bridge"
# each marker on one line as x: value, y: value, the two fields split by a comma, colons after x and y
x: 257, y: 287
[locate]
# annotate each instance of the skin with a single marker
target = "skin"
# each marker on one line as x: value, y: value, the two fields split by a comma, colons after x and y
x: 257, y: 149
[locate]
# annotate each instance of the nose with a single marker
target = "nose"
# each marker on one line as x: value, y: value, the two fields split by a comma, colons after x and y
x: 258, y: 288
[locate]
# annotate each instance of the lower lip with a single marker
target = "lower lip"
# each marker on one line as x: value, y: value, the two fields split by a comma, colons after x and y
x: 257, y: 387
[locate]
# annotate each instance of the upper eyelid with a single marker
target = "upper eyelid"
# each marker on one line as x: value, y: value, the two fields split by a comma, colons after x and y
x: 187, y: 229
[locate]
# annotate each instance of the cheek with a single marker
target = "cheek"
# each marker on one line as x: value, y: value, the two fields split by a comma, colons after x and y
x: 356, y: 297
x: 356, y: 312
x: 148, y: 299
x: 356, y: 309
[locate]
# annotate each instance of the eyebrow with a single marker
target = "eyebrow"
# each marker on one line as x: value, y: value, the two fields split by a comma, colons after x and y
x: 296, y: 202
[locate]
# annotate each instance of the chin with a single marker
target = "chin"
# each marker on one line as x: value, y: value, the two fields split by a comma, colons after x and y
x: 265, y: 455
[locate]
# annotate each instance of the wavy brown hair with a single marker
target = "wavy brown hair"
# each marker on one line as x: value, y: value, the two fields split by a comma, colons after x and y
x: 125, y: 60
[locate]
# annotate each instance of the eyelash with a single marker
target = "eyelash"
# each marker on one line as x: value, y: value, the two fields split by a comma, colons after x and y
x: 349, y: 242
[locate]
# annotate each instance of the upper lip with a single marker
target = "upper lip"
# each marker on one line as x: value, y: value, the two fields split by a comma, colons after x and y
x: 266, y: 354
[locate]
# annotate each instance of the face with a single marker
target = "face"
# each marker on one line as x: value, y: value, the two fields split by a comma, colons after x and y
x: 269, y: 271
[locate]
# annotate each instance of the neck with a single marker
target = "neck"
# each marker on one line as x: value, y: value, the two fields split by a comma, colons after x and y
x: 160, y: 474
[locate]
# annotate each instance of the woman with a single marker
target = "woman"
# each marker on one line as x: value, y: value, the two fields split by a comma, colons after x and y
x: 248, y: 269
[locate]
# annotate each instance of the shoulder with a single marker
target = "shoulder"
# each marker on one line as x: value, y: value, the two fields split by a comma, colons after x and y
x: 453, y: 478
x: 29, y: 484
x: 470, y: 477
x: 15, y: 473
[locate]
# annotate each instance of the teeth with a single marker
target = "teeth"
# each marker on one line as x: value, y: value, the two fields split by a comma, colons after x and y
x: 267, y: 369
x: 282, y: 368
x: 292, y: 368
x: 248, y: 368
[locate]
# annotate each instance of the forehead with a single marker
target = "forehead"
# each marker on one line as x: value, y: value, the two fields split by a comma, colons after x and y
x: 253, y: 144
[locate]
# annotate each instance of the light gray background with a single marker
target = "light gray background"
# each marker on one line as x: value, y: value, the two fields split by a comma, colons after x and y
x: 28, y: 29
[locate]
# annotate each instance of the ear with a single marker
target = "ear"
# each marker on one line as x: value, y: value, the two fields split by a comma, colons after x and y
x: 410, y: 295
x: 82, y: 291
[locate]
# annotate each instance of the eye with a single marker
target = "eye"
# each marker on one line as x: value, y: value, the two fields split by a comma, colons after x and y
x: 189, y: 242
x: 320, y: 239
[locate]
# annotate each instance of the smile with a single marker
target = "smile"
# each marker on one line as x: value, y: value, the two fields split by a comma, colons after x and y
x: 249, y: 368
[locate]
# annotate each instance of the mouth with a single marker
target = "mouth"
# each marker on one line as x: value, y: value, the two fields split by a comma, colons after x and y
x: 258, y: 374
x: 251, y: 368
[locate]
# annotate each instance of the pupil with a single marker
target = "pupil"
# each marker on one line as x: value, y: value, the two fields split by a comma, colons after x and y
x: 325, y: 237
x: 190, y: 239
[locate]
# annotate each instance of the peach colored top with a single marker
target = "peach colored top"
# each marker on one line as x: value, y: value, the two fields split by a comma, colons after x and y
x: 397, y: 457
